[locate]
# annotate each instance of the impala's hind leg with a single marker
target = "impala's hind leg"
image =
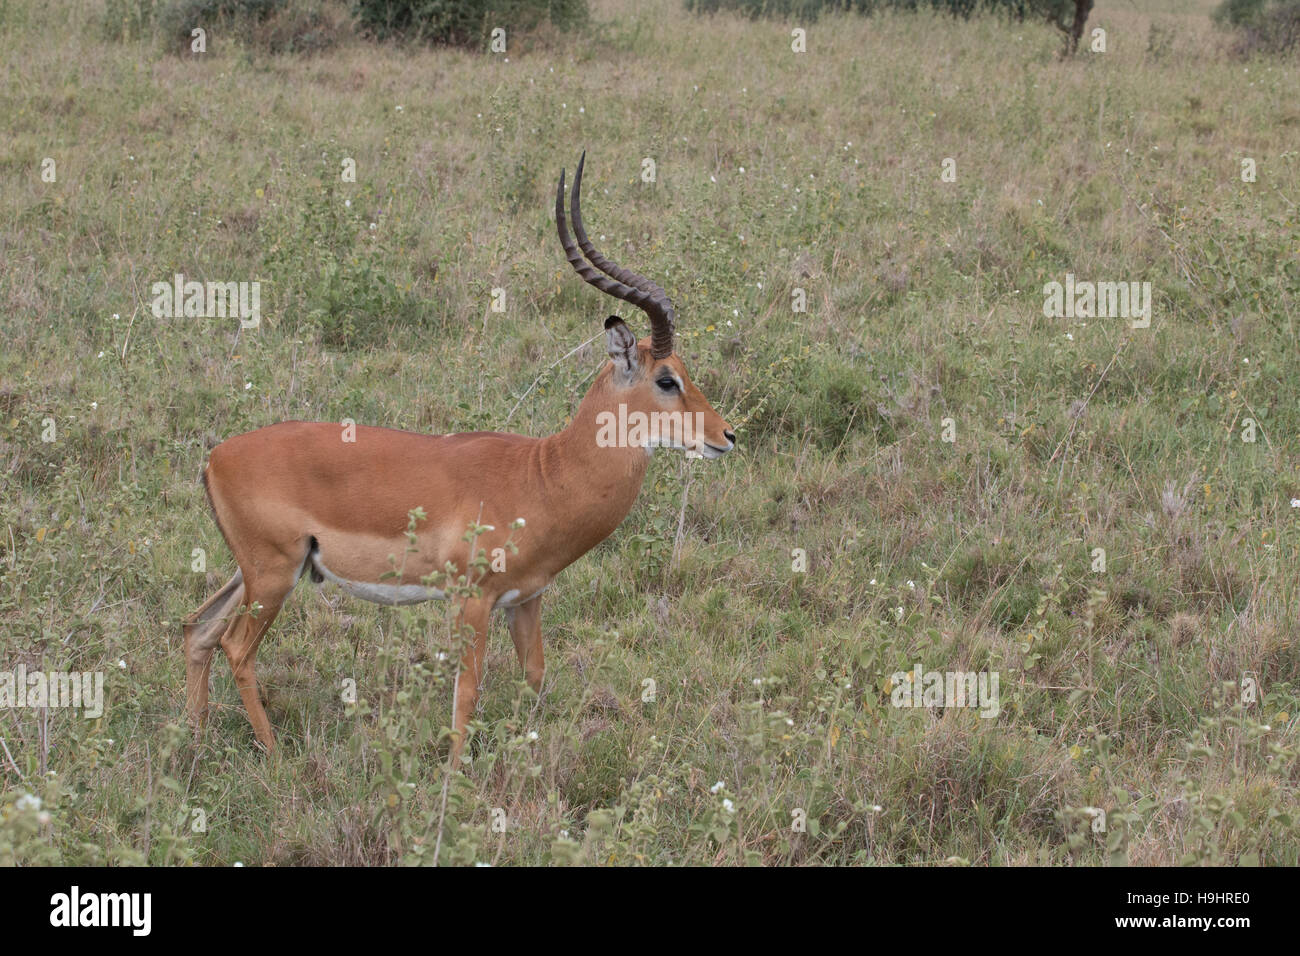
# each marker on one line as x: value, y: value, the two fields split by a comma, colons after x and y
x: 262, y: 602
x: 526, y: 630
x: 202, y: 633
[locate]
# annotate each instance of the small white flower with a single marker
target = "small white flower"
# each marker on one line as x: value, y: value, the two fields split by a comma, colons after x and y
x: 373, y: 227
x: 758, y: 682
x: 1295, y: 502
x: 742, y: 169
x: 101, y: 355
x: 519, y: 522
x: 237, y: 863
x: 398, y: 107
x: 348, y: 203
x: 247, y: 386
x: 94, y: 405
x: 28, y: 802
x: 1069, y: 336
x: 713, y: 179
x: 873, y: 580
x: 789, y: 721
x: 719, y: 786
x: 912, y: 585
x: 728, y: 806
x: 43, y: 818
x: 116, y: 316
x: 121, y: 664
x: 876, y: 808
x: 532, y: 735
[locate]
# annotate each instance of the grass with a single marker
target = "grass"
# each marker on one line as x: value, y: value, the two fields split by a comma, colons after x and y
x: 1120, y: 688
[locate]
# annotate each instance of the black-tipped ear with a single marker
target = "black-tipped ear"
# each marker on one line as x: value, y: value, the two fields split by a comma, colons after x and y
x: 620, y: 343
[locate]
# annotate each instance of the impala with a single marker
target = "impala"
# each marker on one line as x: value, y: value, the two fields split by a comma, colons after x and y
x: 295, y: 498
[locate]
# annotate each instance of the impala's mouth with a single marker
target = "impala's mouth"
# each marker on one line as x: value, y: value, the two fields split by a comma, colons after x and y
x: 716, y: 451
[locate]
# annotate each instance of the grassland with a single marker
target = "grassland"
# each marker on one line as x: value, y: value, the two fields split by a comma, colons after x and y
x: 1120, y: 689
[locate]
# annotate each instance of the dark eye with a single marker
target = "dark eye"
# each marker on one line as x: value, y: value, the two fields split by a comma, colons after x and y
x: 666, y: 383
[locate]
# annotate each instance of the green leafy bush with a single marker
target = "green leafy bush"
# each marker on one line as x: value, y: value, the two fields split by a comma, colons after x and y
x: 1262, y: 26
x: 1069, y: 16
x: 462, y: 22
x: 177, y: 18
x: 129, y: 19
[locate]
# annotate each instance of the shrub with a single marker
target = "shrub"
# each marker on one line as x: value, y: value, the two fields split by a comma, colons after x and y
x: 1069, y: 16
x: 303, y: 26
x: 461, y: 22
x: 178, y: 18
x: 274, y: 26
x: 128, y: 19
x: 1262, y: 26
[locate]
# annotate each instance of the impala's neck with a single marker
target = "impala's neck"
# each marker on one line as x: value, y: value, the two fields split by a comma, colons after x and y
x: 589, y: 489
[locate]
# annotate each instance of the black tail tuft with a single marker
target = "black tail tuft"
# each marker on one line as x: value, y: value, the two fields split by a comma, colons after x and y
x: 316, y: 577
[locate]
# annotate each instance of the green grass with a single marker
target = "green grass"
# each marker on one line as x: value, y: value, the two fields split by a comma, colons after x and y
x: 925, y: 304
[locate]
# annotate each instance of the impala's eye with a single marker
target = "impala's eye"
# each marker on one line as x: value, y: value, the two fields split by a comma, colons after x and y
x: 667, y: 384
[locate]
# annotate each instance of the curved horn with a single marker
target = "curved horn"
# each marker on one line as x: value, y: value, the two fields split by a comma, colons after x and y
x: 621, y: 283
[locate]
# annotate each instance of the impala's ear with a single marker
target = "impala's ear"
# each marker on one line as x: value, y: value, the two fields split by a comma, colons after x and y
x: 621, y: 345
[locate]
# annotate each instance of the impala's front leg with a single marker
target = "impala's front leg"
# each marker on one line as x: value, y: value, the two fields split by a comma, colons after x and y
x: 474, y: 616
x: 526, y: 630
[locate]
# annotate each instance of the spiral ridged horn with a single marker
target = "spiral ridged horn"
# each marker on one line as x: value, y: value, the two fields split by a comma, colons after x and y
x: 612, y: 278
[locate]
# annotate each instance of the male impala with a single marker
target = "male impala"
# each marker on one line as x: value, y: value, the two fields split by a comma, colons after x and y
x: 296, y: 498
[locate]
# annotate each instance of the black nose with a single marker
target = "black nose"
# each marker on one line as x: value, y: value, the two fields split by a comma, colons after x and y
x: 729, y: 436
